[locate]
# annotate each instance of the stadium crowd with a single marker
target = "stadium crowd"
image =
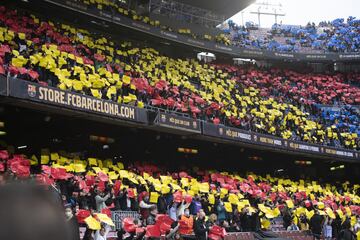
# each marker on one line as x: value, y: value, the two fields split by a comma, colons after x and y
x: 118, y: 7
x: 177, y: 204
x: 204, y: 203
x: 335, y: 36
x: 71, y: 59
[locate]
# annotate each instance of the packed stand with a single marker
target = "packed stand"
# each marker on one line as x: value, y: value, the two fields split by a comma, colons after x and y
x: 335, y: 36
x: 310, y: 92
x: 346, y: 119
x: 117, y: 7
x: 243, y: 36
x: 72, y: 59
x: 186, y: 203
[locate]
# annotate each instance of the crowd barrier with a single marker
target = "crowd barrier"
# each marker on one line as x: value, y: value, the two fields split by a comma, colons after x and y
x: 118, y: 216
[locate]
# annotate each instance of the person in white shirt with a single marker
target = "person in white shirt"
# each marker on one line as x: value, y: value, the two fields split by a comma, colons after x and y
x: 145, y: 207
x: 293, y: 227
x: 357, y: 224
x: 181, y: 208
x: 327, y: 229
x: 102, y: 233
x: 100, y: 200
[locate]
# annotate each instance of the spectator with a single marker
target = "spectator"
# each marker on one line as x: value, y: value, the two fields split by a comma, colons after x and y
x: 211, y: 221
x: 100, y: 199
x: 346, y: 233
x: 173, y: 233
x: 316, y: 223
x: 72, y: 223
x: 287, y: 218
x: 84, y: 200
x: 327, y: 232
x: 195, y: 205
x: 303, y: 223
x: 122, y: 201
x: 336, y: 226
x: 102, y: 233
x: 145, y: 206
x: 88, y: 235
x: 255, y: 221
x: 245, y: 219
x: 172, y: 211
x: 220, y: 210
x: 292, y: 226
x: 189, y: 223
x: 161, y: 204
x: 151, y: 219
x: 229, y: 228
x: 357, y: 225
x: 200, y: 228
x: 205, y: 204
x: 181, y: 208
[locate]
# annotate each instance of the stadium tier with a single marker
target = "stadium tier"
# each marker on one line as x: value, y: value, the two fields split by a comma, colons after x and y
x: 338, y: 35
x: 280, y: 103
x: 111, y: 127
x: 237, y: 202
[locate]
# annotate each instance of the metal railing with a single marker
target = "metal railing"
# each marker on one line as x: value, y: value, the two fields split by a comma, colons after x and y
x: 186, y: 12
x: 118, y: 217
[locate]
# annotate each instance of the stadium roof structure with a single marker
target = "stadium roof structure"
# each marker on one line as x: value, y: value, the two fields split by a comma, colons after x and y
x: 227, y: 8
